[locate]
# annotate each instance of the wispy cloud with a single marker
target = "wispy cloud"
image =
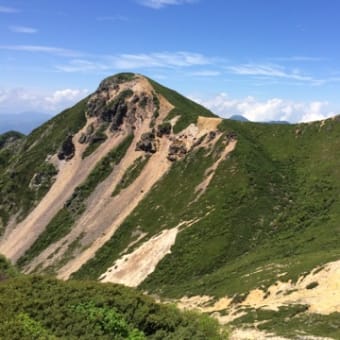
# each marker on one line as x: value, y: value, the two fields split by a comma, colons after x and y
x: 164, y: 59
x: 4, y: 9
x: 23, y: 29
x: 157, y: 4
x: 41, y: 49
x: 206, y: 73
x: 268, y: 71
x: 136, y: 61
x: 112, y: 18
x: 298, y: 59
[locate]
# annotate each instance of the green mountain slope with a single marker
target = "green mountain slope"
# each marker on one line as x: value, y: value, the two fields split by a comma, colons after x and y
x: 16, y: 195
x: 168, y: 197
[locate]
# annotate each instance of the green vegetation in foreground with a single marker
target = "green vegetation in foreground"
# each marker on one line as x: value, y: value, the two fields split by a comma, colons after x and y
x: 183, y: 107
x: 290, y: 321
x: 131, y: 174
x: 35, y: 307
x: 30, y: 159
x: 63, y: 221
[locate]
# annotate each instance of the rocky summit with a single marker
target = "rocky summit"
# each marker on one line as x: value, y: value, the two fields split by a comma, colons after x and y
x: 140, y: 186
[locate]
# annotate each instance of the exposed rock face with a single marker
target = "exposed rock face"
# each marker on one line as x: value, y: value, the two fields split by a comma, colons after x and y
x: 147, y: 143
x: 211, y: 135
x: 67, y: 149
x: 232, y: 136
x: 83, y: 138
x: 164, y: 129
x: 177, y: 150
x: 119, y: 112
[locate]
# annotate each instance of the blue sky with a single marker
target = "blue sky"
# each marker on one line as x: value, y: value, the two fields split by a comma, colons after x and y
x: 265, y: 59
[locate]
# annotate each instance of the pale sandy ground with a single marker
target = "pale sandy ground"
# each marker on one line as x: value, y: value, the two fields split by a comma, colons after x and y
x: 132, y: 269
x: 323, y: 299
x: 122, y: 205
x: 71, y: 173
x: 104, y: 213
x: 254, y: 334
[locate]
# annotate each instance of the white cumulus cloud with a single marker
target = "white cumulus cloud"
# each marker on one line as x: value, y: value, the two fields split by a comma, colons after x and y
x: 277, y: 109
x: 21, y: 100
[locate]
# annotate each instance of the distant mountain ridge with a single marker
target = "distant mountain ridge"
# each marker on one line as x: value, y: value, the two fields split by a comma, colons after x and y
x: 239, y: 118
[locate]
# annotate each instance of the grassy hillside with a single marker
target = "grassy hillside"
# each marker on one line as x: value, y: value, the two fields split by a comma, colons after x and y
x: 15, y: 194
x: 42, y: 308
x: 183, y: 107
x: 275, y: 201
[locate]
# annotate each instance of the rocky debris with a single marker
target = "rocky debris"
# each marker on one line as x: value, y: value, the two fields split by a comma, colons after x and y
x: 147, y: 143
x: 96, y: 105
x: 135, y: 99
x: 164, y: 129
x: 90, y: 129
x: 198, y: 141
x: 67, y: 149
x: 144, y: 99
x: 36, y: 181
x: 83, y: 138
x: 211, y: 135
x: 231, y: 135
x: 93, y: 135
x: 43, y: 177
x: 118, y: 116
x: 98, y: 137
x: 177, y: 150
x: 110, y: 111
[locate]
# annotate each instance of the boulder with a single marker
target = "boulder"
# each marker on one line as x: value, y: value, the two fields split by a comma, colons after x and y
x: 177, y: 150
x: 231, y: 135
x: 83, y: 139
x: 67, y: 149
x: 164, y: 129
x: 147, y: 143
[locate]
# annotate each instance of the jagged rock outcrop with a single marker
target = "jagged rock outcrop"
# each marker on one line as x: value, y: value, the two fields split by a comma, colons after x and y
x: 164, y: 129
x: 177, y: 150
x: 147, y: 143
x: 67, y: 149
